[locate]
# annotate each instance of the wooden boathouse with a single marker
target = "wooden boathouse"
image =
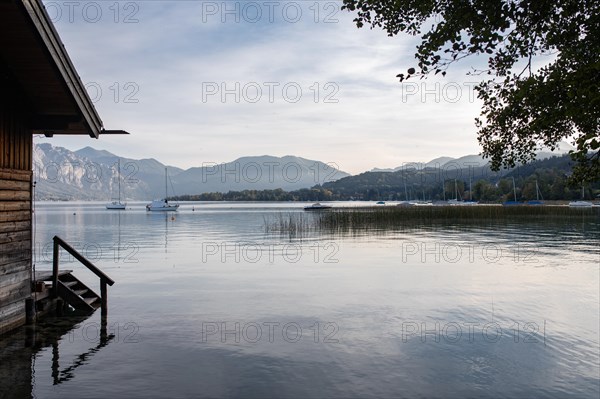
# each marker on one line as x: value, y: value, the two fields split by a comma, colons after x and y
x: 40, y: 93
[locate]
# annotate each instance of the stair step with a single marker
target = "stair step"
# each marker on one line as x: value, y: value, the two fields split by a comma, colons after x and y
x: 90, y: 301
x: 77, y: 294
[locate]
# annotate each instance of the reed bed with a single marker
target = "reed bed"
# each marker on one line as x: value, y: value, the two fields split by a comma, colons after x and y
x: 382, y: 217
x: 290, y: 224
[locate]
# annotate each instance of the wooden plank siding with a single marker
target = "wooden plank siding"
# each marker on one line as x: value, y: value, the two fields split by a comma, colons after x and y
x: 15, y: 141
x: 15, y: 217
x: 12, y: 316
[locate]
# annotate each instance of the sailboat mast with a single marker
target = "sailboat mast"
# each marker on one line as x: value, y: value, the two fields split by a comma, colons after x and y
x: 444, y: 189
x: 119, y: 177
x: 166, y: 192
x: 470, y: 190
x: 455, y: 190
x: 514, y: 189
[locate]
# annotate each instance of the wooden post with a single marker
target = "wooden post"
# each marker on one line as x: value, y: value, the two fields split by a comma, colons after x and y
x: 104, y: 295
x: 55, y: 364
x: 29, y: 311
x: 60, y: 307
x: 55, y: 257
x: 103, y: 329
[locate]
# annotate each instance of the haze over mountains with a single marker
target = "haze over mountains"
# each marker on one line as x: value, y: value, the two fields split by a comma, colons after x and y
x: 471, y: 160
x: 90, y: 174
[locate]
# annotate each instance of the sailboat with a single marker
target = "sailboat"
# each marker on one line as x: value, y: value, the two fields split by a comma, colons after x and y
x: 162, y: 204
x: 455, y: 200
x: 117, y: 204
x: 581, y: 203
x: 470, y: 201
x: 515, y: 202
x: 538, y: 194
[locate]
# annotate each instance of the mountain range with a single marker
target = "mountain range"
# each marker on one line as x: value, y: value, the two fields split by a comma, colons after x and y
x: 91, y: 174
x: 472, y: 160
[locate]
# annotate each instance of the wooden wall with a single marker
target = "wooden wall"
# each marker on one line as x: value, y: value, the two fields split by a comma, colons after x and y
x: 15, y: 218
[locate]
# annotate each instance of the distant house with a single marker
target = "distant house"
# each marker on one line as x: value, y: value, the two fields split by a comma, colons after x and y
x: 40, y: 93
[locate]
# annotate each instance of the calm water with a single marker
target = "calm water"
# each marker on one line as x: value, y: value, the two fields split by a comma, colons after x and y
x: 207, y: 304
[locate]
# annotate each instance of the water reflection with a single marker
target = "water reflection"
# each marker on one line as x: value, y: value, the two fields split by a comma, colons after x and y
x: 20, y: 349
x: 65, y: 374
x: 537, y: 279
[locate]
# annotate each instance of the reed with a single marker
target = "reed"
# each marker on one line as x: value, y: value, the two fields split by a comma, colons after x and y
x: 290, y: 224
x: 384, y: 217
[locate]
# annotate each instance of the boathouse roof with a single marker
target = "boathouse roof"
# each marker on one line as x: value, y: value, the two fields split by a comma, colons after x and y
x: 35, y: 65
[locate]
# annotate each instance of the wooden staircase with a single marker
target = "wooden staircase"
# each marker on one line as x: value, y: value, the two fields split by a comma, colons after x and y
x: 69, y: 288
x: 77, y: 294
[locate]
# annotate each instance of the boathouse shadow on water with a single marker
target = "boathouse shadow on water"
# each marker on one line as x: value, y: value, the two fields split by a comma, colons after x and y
x: 20, y: 348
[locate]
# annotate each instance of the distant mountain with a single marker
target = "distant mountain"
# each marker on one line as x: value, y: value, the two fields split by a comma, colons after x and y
x: 147, y: 165
x: 563, y: 148
x: 91, y: 174
x: 92, y: 153
x: 440, y: 162
x: 473, y: 160
x: 256, y: 173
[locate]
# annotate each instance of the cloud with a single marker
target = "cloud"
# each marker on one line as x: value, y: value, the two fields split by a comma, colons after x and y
x: 154, y: 75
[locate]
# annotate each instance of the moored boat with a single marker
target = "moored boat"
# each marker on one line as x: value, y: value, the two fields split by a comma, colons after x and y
x: 580, y: 204
x: 535, y: 202
x: 515, y: 202
x: 316, y: 206
x: 538, y: 194
x: 162, y: 204
x: 117, y: 204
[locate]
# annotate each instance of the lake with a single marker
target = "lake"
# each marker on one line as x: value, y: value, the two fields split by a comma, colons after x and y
x: 208, y: 302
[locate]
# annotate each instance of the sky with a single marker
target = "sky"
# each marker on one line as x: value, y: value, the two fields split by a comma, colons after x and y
x: 211, y: 81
